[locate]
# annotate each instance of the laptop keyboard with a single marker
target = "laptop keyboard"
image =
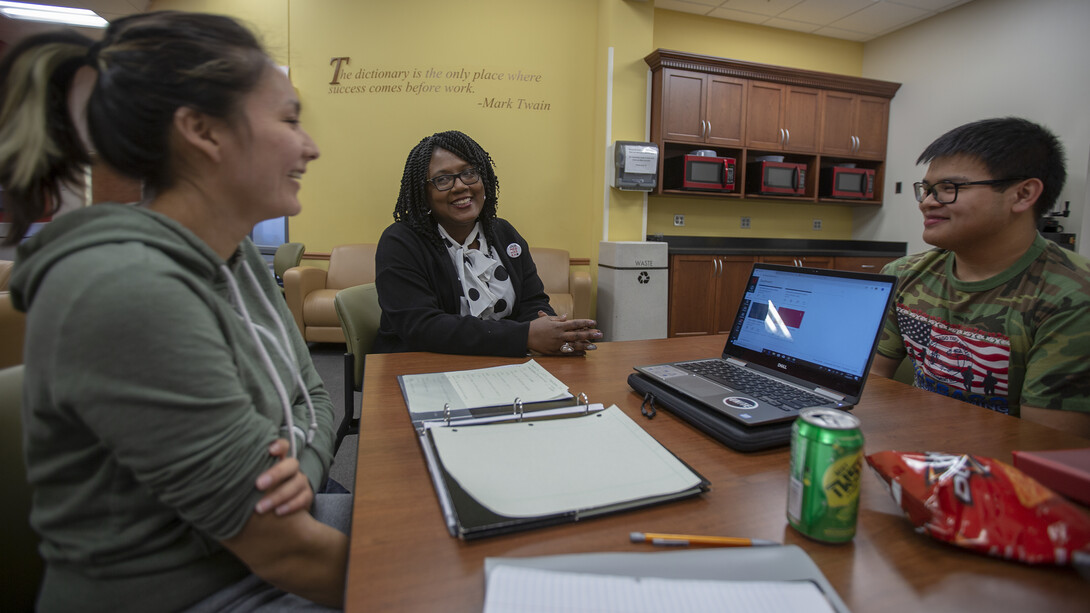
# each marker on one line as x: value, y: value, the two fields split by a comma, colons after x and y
x: 764, y: 388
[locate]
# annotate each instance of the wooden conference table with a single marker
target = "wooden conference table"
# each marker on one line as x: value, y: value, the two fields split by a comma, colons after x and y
x: 402, y: 558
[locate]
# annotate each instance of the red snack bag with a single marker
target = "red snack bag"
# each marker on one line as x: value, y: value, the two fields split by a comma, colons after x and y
x: 984, y: 505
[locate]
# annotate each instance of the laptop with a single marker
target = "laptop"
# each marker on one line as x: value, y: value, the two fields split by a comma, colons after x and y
x: 802, y: 337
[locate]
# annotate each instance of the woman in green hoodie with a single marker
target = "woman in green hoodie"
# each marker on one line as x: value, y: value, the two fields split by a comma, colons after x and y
x: 175, y: 426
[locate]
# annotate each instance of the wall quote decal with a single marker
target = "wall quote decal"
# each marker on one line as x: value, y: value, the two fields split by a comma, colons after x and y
x: 431, y: 81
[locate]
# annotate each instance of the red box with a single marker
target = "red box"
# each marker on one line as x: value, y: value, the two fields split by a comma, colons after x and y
x: 1064, y: 471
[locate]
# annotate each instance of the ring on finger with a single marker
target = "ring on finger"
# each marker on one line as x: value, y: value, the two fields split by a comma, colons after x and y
x: 567, y: 348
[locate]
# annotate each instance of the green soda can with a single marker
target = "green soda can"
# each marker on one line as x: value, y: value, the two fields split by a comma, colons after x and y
x: 826, y: 466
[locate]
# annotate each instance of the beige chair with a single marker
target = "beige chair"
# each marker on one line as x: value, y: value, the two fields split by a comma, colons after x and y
x: 6, y: 266
x: 360, y: 315
x: 310, y: 291
x: 568, y: 289
x: 12, y: 331
x: 12, y: 322
x: 287, y: 256
x: 21, y: 565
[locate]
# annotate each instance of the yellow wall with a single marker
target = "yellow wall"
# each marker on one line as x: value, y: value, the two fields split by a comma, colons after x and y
x: 626, y: 28
x: 551, y: 163
x: 543, y: 155
x: 267, y: 18
x: 752, y: 43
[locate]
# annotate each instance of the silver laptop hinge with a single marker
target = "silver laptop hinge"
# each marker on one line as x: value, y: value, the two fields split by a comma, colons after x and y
x: 828, y: 394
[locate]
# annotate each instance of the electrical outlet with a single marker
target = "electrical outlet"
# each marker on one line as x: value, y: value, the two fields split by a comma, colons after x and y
x: 745, y: 223
x: 817, y: 224
x: 679, y: 220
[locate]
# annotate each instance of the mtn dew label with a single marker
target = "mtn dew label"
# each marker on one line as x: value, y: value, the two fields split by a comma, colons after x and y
x: 826, y: 467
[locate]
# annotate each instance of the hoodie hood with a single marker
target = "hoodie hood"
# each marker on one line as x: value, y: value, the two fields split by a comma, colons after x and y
x: 101, y: 224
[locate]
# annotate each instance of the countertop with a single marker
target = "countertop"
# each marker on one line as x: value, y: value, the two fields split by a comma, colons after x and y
x: 727, y: 245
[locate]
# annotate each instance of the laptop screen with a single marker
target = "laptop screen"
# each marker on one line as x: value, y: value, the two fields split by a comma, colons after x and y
x: 818, y: 325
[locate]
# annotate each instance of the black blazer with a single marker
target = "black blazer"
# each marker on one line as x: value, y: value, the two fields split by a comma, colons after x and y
x: 419, y: 293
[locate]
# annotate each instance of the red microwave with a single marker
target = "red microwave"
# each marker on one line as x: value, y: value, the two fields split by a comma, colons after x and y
x: 701, y: 172
x: 778, y: 178
x: 847, y: 182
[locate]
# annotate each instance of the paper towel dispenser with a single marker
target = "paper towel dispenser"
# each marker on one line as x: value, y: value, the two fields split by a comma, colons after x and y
x: 636, y: 165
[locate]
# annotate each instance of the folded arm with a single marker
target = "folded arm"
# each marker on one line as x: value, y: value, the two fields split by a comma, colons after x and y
x: 295, y: 553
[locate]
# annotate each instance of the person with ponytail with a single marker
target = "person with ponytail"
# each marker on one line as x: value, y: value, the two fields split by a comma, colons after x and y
x: 175, y: 428
x: 452, y: 277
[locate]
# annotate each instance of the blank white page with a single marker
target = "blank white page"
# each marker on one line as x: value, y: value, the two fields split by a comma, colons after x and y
x: 538, y: 468
x: 517, y: 589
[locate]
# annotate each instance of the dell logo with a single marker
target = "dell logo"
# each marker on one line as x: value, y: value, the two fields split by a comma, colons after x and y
x: 781, y: 365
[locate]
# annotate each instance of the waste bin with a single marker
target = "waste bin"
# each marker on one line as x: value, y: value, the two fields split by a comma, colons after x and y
x: 633, y: 283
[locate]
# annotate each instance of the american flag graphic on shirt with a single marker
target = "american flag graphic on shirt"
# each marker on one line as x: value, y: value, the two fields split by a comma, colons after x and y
x: 963, y: 358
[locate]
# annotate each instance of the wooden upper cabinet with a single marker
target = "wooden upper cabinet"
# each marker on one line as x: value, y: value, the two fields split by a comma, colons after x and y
x: 702, y: 108
x: 872, y: 127
x: 744, y: 110
x: 783, y: 118
x: 802, y: 120
x: 855, y: 125
x: 764, y: 119
x: 726, y: 111
x: 683, y: 98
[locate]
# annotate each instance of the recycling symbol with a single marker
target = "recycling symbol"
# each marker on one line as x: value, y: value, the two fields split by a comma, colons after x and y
x: 644, y: 277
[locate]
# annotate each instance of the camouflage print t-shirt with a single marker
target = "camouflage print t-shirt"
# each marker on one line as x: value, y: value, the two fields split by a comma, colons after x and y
x: 1021, y: 337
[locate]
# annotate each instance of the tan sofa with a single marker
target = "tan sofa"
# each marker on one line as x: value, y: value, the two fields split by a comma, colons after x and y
x: 12, y: 322
x: 568, y: 289
x: 310, y: 291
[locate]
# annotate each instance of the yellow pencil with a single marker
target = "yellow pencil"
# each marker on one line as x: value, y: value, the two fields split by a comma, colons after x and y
x: 684, y: 540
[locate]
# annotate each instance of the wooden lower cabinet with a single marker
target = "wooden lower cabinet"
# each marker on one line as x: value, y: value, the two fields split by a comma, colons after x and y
x: 808, y: 261
x: 861, y: 264
x: 705, y: 290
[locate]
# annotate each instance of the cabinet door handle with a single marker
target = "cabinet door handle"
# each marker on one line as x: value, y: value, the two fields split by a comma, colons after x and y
x: 855, y: 145
x: 718, y: 267
x: 703, y: 128
x: 787, y: 141
x: 867, y: 266
x: 781, y: 137
x: 709, y: 128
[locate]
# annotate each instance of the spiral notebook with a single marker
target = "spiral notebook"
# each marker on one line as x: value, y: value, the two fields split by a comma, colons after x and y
x: 504, y: 468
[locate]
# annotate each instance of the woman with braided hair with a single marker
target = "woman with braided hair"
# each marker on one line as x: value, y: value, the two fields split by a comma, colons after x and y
x: 176, y: 429
x: 452, y: 277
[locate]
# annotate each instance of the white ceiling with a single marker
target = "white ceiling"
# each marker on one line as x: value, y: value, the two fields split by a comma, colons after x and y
x: 857, y: 20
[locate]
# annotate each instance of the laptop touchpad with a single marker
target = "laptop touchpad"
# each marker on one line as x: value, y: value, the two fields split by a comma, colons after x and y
x: 700, y: 387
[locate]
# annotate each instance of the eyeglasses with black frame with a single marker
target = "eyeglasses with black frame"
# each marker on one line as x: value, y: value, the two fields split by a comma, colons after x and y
x: 469, y: 176
x: 946, y: 192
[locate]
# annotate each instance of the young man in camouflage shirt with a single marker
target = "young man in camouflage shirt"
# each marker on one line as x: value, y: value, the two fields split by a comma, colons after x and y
x: 995, y: 315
